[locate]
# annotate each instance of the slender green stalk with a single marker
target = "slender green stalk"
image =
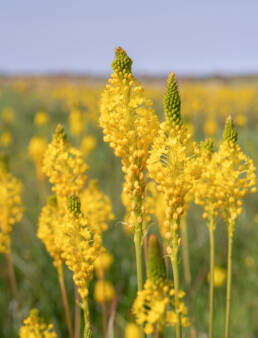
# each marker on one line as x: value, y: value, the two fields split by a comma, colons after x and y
x: 138, y: 252
x: 186, y: 261
x: 211, y: 227
x: 13, y: 283
x: 174, y: 261
x: 139, y: 265
x: 87, y: 326
x: 77, y: 314
x: 65, y: 300
x: 229, y: 277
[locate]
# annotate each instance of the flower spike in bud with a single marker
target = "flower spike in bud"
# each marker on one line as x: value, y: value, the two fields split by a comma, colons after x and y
x: 172, y: 102
x: 156, y: 270
x: 207, y: 145
x: 122, y: 62
x: 60, y: 133
x: 230, y: 133
x: 74, y: 205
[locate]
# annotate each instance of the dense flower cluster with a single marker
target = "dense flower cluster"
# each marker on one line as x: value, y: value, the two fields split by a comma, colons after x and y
x: 80, y: 246
x: 129, y: 125
x: 65, y: 167
x: 49, y: 230
x: 35, y: 327
x: 97, y: 207
x: 11, y: 209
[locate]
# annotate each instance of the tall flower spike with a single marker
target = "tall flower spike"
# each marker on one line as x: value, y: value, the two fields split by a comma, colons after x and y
x: 230, y: 133
x: 172, y: 101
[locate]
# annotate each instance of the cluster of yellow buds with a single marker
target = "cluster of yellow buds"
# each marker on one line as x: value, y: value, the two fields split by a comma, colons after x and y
x: 97, y: 207
x: 48, y: 230
x: 172, y: 162
x: 80, y: 246
x: 37, y: 148
x: 35, y: 327
x: 154, y: 305
x: 65, y: 167
x: 129, y: 125
x: 11, y: 209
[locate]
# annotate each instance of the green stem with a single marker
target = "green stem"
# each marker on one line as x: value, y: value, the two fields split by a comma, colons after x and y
x: 174, y: 261
x: 186, y: 261
x: 87, y: 325
x: 211, y: 227
x: 229, y: 276
x: 139, y: 265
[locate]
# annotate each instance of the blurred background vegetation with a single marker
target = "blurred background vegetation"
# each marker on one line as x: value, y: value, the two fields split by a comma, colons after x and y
x: 33, y: 106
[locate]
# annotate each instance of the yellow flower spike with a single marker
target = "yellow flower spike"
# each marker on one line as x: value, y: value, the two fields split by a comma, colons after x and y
x: 65, y: 167
x: 130, y: 126
x: 80, y: 246
x: 132, y: 331
x: 35, y: 327
x: 11, y: 208
x: 48, y: 229
x: 103, y: 291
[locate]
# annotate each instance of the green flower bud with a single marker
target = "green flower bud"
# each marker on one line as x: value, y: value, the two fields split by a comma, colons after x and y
x: 60, y: 133
x: 156, y: 270
x: 172, y: 102
x: 207, y: 145
x: 122, y: 62
x: 230, y: 133
x: 74, y: 205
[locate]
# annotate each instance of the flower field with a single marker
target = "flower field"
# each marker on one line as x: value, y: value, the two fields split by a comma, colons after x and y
x: 128, y: 206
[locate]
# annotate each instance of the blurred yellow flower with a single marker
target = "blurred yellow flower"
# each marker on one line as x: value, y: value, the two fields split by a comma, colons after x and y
x: 41, y: 118
x: 220, y: 275
x: 7, y: 115
x: 132, y: 331
x: 88, y: 144
x: 6, y: 139
x: 210, y: 127
x: 241, y: 120
x: 103, y: 291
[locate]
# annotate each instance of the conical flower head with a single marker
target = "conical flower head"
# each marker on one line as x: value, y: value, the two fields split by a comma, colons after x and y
x: 172, y: 102
x: 122, y: 62
x: 156, y: 270
x: 230, y: 133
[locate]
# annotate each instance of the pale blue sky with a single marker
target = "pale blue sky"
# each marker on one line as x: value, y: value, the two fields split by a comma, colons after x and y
x: 74, y: 35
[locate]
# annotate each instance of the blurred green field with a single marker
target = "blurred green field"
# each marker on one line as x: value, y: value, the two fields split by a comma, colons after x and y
x: 37, y: 278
